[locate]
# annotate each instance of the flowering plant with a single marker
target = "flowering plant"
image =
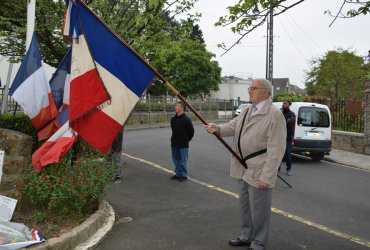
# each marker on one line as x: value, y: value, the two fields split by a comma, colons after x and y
x: 63, y: 189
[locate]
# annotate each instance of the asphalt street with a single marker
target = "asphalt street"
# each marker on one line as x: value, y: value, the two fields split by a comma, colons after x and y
x: 327, y: 208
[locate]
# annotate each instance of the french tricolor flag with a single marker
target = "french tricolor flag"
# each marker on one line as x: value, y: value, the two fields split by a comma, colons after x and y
x: 59, y: 85
x: 100, y: 56
x: 31, y: 88
x: 54, y: 148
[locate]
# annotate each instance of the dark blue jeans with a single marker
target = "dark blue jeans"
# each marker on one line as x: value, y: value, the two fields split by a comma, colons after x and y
x: 288, y: 153
x: 180, y: 159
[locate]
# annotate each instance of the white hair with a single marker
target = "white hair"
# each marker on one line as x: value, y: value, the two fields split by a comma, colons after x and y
x: 266, y: 83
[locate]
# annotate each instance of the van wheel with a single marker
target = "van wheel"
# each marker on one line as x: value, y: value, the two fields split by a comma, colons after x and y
x: 317, y: 156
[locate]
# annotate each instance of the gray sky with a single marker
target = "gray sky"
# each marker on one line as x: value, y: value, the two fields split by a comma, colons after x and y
x: 300, y: 34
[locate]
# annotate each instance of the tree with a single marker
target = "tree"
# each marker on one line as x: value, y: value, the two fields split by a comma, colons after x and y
x: 339, y: 74
x: 181, y: 55
x: 149, y: 26
x: 13, y: 23
x: 243, y: 20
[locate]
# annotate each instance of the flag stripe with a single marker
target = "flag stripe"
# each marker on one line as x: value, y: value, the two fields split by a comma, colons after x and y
x: 88, y: 125
x: 33, y: 94
x: 54, y: 148
x: 45, y: 114
x: 60, y: 80
x: 86, y: 88
x: 123, y: 99
x: 30, y: 64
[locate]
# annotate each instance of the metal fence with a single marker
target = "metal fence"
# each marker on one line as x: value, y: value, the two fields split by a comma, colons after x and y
x: 348, y: 115
x: 156, y: 109
x: 11, y: 104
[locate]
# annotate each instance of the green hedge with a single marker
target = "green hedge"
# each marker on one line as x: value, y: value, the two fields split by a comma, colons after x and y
x: 21, y: 123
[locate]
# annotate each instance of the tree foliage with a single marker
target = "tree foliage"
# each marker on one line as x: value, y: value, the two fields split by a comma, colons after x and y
x: 247, y: 15
x: 174, y: 48
x: 339, y: 74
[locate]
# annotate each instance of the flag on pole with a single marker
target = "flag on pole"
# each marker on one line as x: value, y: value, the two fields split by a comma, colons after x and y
x: 54, y: 148
x: 60, y: 82
x: 96, y: 48
x: 59, y: 85
x: 31, y: 89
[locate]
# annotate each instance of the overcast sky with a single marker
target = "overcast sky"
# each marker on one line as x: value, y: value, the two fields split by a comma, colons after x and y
x: 300, y: 34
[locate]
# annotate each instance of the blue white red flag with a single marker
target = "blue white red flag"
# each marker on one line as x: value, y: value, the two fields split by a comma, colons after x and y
x: 54, y: 148
x: 59, y: 85
x: 31, y: 89
x: 99, y: 54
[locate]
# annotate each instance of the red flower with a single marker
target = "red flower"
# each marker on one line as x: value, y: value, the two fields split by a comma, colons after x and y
x: 70, y: 179
x: 51, y: 184
x: 61, y: 181
x: 81, y: 194
x: 45, y: 178
x: 35, y: 185
x: 73, y: 188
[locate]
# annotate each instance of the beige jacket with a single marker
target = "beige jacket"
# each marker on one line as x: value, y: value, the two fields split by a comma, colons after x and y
x: 266, y: 129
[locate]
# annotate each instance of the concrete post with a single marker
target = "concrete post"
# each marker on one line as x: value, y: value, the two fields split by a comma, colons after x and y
x: 367, y: 118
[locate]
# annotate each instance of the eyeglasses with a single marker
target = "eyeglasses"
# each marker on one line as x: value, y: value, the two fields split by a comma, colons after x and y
x: 254, y: 88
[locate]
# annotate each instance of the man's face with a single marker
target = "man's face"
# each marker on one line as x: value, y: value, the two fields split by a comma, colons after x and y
x: 178, y: 108
x: 257, y: 92
x: 286, y: 105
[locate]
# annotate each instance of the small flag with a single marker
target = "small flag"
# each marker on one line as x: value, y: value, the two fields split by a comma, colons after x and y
x: 31, y: 89
x: 59, y: 85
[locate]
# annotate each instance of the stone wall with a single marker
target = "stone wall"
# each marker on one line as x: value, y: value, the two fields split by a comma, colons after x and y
x: 348, y: 141
x: 18, y: 149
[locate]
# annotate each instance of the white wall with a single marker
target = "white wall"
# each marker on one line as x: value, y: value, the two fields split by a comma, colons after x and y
x: 233, y: 88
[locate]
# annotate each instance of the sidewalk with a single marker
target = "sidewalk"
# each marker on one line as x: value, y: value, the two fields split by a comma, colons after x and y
x: 350, y: 159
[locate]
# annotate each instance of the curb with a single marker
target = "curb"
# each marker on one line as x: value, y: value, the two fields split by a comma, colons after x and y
x: 86, y: 235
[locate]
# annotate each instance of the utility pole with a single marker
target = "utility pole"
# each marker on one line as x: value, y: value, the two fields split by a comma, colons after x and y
x: 270, y: 45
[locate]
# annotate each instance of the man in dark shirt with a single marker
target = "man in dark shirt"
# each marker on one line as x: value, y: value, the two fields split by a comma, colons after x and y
x: 290, y: 126
x: 182, y: 133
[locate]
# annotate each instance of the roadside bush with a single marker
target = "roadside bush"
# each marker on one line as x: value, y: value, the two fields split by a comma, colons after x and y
x: 63, y: 190
x: 21, y: 123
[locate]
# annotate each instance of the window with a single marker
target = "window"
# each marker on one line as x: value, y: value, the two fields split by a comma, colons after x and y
x: 313, y: 117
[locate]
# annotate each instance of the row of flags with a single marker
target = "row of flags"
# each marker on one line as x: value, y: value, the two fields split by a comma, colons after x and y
x: 92, y: 92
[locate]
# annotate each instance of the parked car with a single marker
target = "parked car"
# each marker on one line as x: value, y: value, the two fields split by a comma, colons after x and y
x: 313, y: 129
x: 240, y: 108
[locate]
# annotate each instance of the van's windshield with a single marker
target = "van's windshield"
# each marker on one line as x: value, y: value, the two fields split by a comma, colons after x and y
x: 313, y: 117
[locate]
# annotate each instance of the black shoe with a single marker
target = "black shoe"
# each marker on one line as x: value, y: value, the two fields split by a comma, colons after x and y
x: 183, y: 178
x: 239, y: 242
x: 175, y: 177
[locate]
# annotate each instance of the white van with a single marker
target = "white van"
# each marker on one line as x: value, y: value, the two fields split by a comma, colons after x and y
x: 312, y: 129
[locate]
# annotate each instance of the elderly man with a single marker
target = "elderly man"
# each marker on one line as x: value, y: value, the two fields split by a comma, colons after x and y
x: 259, y: 138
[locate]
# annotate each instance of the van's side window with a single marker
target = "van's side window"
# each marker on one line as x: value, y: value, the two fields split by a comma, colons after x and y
x: 313, y: 117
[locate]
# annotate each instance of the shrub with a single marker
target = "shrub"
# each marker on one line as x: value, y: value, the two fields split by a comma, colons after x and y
x: 21, y: 123
x: 63, y: 190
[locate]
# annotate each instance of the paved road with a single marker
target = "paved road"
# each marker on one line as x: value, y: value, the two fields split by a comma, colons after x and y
x: 328, y: 207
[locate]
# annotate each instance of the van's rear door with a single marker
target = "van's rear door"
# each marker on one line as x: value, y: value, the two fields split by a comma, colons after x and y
x: 313, y: 128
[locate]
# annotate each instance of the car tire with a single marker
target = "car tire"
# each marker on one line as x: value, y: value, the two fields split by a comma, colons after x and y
x: 317, y: 156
